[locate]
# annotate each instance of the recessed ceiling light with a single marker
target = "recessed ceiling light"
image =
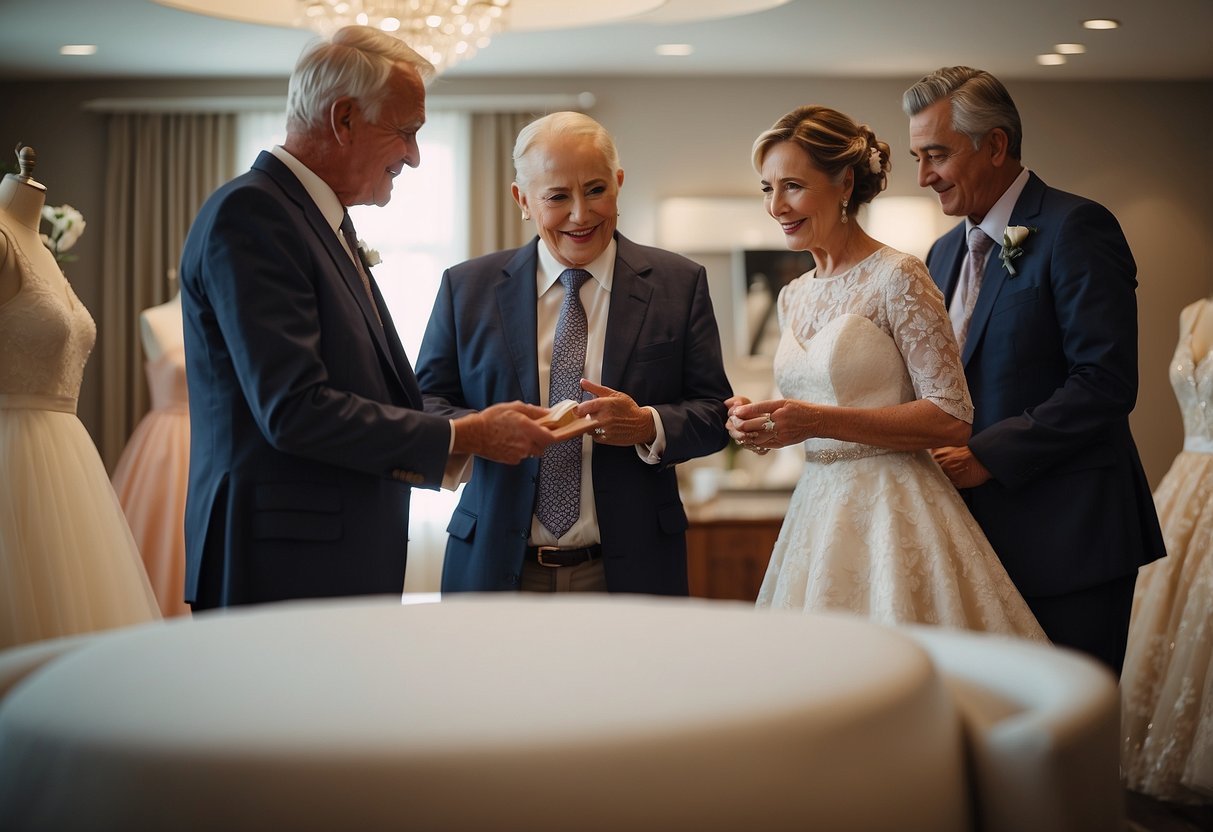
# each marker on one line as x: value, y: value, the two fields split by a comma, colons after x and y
x: 1050, y: 60
x: 1069, y: 48
x: 1101, y: 23
x: 679, y: 50
x: 77, y: 49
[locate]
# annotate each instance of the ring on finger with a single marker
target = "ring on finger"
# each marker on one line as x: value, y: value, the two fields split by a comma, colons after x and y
x: 769, y: 424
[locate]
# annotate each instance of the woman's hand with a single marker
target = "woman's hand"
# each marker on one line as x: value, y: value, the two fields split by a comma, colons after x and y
x: 620, y: 420
x: 777, y: 423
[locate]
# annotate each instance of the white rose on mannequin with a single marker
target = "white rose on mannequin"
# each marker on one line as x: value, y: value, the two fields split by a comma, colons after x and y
x: 67, y: 224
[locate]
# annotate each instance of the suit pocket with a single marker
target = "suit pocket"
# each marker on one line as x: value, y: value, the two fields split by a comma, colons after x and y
x: 296, y: 511
x: 1009, y: 302
x: 655, y: 352
x: 462, y: 525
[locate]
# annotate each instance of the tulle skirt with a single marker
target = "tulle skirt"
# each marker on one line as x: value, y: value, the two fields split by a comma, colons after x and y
x: 150, y: 480
x: 68, y: 562
x: 1167, y: 681
x: 889, y: 538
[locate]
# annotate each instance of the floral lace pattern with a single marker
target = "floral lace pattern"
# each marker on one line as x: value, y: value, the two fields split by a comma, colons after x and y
x: 1167, y: 681
x: 48, y: 327
x: 884, y: 535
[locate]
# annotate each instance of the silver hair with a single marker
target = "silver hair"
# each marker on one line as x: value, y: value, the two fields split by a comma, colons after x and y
x: 563, y: 123
x: 980, y: 103
x: 356, y: 62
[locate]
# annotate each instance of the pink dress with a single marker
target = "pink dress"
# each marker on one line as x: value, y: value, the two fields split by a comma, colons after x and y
x: 151, y: 478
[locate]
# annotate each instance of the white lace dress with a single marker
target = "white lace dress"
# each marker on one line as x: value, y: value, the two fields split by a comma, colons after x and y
x: 68, y: 563
x: 1167, y: 681
x: 880, y: 533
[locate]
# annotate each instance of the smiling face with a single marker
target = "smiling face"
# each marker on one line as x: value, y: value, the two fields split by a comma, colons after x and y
x: 380, y: 150
x: 572, y: 194
x: 806, y: 201
x: 967, y: 180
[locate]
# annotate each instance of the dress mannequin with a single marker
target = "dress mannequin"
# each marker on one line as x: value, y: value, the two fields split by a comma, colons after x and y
x: 21, y: 201
x: 161, y: 328
x: 151, y: 474
x: 68, y: 563
x: 1167, y: 682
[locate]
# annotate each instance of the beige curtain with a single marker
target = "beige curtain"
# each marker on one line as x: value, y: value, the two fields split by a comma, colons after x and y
x: 496, y: 222
x: 160, y: 167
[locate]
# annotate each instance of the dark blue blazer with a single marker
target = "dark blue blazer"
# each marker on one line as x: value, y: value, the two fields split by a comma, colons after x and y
x: 306, y: 422
x: 662, y: 348
x: 1051, y: 362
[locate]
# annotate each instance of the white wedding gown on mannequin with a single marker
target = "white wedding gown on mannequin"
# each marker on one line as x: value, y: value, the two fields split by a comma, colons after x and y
x: 68, y: 563
x: 880, y: 533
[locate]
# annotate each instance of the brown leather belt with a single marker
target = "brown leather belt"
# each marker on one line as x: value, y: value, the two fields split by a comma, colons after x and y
x: 553, y: 556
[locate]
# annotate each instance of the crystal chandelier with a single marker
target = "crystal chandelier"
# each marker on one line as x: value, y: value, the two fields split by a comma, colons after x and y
x: 444, y: 32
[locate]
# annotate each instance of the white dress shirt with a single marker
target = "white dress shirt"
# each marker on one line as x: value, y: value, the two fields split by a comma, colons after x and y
x: 596, y: 298
x: 995, y: 222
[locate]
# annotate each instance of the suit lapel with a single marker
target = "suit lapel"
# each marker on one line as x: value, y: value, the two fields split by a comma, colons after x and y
x: 630, y: 296
x: 996, y: 275
x: 293, y: 188
x: 516, y: 304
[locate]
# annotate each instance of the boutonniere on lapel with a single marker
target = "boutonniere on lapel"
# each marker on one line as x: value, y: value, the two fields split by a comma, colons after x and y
x: 370, y: 256
x: 1012, y: 244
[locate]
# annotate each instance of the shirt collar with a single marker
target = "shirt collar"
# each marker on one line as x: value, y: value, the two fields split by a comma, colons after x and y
x: 996, y: 220
x: 324, y: 197
x: 601, y: 268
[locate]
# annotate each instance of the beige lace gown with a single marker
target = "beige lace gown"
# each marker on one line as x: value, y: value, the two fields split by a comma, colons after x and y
x: 883, y: 534
x: 1167, y: 681
x: 68, y: 563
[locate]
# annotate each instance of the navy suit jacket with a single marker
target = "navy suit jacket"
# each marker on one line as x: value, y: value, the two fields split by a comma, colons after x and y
x: 306, y: 422
x: 662, y: 348
x: 1051, y: 362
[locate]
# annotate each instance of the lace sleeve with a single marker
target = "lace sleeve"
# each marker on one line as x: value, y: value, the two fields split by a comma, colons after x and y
x: 921, y: 328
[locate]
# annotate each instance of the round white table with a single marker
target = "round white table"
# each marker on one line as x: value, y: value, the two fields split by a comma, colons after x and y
x: 479, y: 712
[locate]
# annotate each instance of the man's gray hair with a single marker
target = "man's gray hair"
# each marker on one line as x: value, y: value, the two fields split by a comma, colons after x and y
x: 980, y: 103
x: 559, y: 124
x: 356, y: 62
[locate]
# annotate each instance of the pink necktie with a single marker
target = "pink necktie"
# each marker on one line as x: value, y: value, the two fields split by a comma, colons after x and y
x: 969, y: 284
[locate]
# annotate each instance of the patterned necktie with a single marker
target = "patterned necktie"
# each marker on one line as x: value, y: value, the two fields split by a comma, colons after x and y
x: 351, y: 239
x: 969, y: 284
x: 559, y: 502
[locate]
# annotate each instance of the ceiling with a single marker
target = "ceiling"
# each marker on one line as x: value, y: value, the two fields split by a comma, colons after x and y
x: 1160, y: 40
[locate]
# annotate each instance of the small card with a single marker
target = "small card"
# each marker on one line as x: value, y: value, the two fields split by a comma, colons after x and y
x: 563, y: 421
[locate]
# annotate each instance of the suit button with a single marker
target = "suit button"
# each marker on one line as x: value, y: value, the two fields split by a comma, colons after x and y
x: 512, y: 580
x: 523, y: 534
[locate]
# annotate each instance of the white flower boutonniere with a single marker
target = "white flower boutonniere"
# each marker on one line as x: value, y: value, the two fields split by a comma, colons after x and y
x: 1012, y: 244
x: 370, y: 256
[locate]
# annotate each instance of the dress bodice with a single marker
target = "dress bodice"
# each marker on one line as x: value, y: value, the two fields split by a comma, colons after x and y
x: 46, y: 334
x: 1192, y: 381
x: 166, y: 380
x: 874, y: 336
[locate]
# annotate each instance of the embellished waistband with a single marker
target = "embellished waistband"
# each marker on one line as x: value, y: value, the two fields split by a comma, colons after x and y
x: 828, y: 456
x: 1198, y: 445
x: 37, y: 401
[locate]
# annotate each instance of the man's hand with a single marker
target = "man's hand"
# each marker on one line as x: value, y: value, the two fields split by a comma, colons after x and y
x: 620, y: 420
x: 505, y: 432
x: 961, y: 467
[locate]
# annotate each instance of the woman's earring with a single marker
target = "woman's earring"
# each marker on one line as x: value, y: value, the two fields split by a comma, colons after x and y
x: 526, y: 216
x: 843, y: 218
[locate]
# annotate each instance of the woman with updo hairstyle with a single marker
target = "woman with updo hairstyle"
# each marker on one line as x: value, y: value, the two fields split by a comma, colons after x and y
x: 868, y: 363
